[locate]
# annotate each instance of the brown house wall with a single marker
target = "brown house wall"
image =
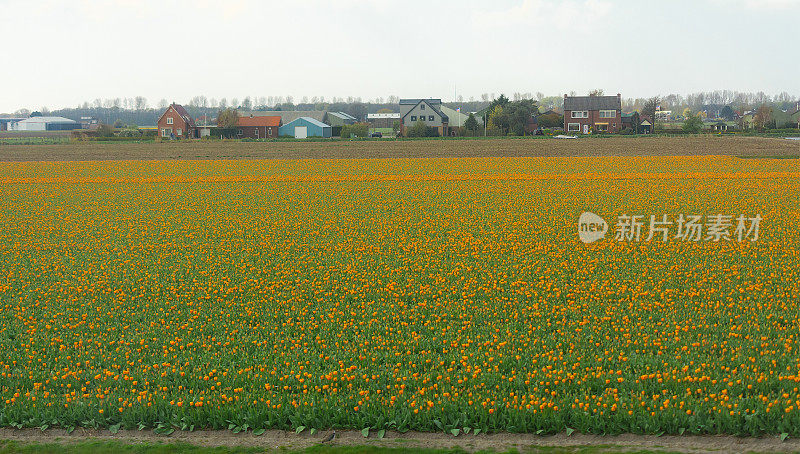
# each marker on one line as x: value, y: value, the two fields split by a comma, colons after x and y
x: 263, y: 132
x: 594, y: 118
x: 177, y: 122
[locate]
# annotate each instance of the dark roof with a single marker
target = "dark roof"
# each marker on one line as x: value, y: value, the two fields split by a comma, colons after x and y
x: 414, y: 102
x: 182, y: 112
x: 592, y: 103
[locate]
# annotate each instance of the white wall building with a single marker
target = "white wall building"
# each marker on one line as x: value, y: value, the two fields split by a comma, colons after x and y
x: 44, y: 124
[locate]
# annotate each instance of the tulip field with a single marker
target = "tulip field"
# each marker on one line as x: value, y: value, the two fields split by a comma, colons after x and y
x: 439, y: 295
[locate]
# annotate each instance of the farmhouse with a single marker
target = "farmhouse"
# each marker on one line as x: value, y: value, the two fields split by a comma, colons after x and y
x: 44, y: 124
x: 176, y: 123
x: 304, y: 127
x: 720, y: 125
x: 585, y: 114
x: 427, y: 111
x: 258, y: 127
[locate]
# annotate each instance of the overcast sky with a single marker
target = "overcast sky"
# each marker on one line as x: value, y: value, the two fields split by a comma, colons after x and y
x: 61, y: 53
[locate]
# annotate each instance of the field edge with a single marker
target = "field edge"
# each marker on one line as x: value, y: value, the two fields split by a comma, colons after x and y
x: 15, y: 440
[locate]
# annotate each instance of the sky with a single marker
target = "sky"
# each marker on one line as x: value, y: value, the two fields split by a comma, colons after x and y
x: 62, y: 53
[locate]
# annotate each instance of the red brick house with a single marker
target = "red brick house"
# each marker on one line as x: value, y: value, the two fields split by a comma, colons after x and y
x: 588, y: 114
x: 176, y: 123
x: 253, y: 127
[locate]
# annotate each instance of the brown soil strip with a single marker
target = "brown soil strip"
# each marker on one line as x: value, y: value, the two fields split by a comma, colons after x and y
x: 614, y: 146
x: 275, y: 439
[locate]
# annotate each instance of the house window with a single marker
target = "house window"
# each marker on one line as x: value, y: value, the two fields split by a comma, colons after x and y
x: 166, y: 132
x: 602, y: 127
x: 608, y: 114
x: 178, y: 132
x: 615, y: 125
x: 422, y: 107
x: 574, y: 127
x: 580, y: 114
x: 239, y: 133
x: 169, y: 120
x: 430, y: 117
x: 413, y: 118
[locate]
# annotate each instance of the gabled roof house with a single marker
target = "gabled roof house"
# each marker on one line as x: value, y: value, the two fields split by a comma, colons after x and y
x: 586, y: 114
x: 176, y: 123
x: 427, y: 111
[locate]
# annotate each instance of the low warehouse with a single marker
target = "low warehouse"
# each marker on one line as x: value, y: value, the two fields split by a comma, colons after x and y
x: 258, y: 127
x: 305, y: 127
x: 44, y: 124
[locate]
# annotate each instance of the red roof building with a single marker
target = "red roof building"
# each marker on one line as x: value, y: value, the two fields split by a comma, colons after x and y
x: 258, y: 127
x: 176, y: 123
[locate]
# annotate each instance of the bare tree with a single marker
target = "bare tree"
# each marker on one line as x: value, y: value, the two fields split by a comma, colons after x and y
x: 227, y: 118
x: 649, y: 109
x: 140, y: 102
x: 762, y: 117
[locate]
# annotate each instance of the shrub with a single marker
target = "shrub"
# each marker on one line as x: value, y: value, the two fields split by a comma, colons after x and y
x: 355, y: 130
x: 550, y: 121
x: 105, y: 130
x: 133, y: 133
x: 693, y: 125
x: 420, y: 129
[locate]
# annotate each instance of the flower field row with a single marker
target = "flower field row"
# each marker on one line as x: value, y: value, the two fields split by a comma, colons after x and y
x: 259, y: 294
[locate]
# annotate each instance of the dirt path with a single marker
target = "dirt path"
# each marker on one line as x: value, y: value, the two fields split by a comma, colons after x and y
x: 544, y: 147
x: 275, y: 439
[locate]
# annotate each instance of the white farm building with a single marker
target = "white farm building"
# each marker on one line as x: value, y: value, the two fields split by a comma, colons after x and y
x: 44, y: 124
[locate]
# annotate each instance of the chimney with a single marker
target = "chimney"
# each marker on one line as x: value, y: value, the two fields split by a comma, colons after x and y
x: 565, y: 96
x: 619, y: 96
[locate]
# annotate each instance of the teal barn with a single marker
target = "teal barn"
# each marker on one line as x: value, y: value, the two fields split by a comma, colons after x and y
x: 303, y: 127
